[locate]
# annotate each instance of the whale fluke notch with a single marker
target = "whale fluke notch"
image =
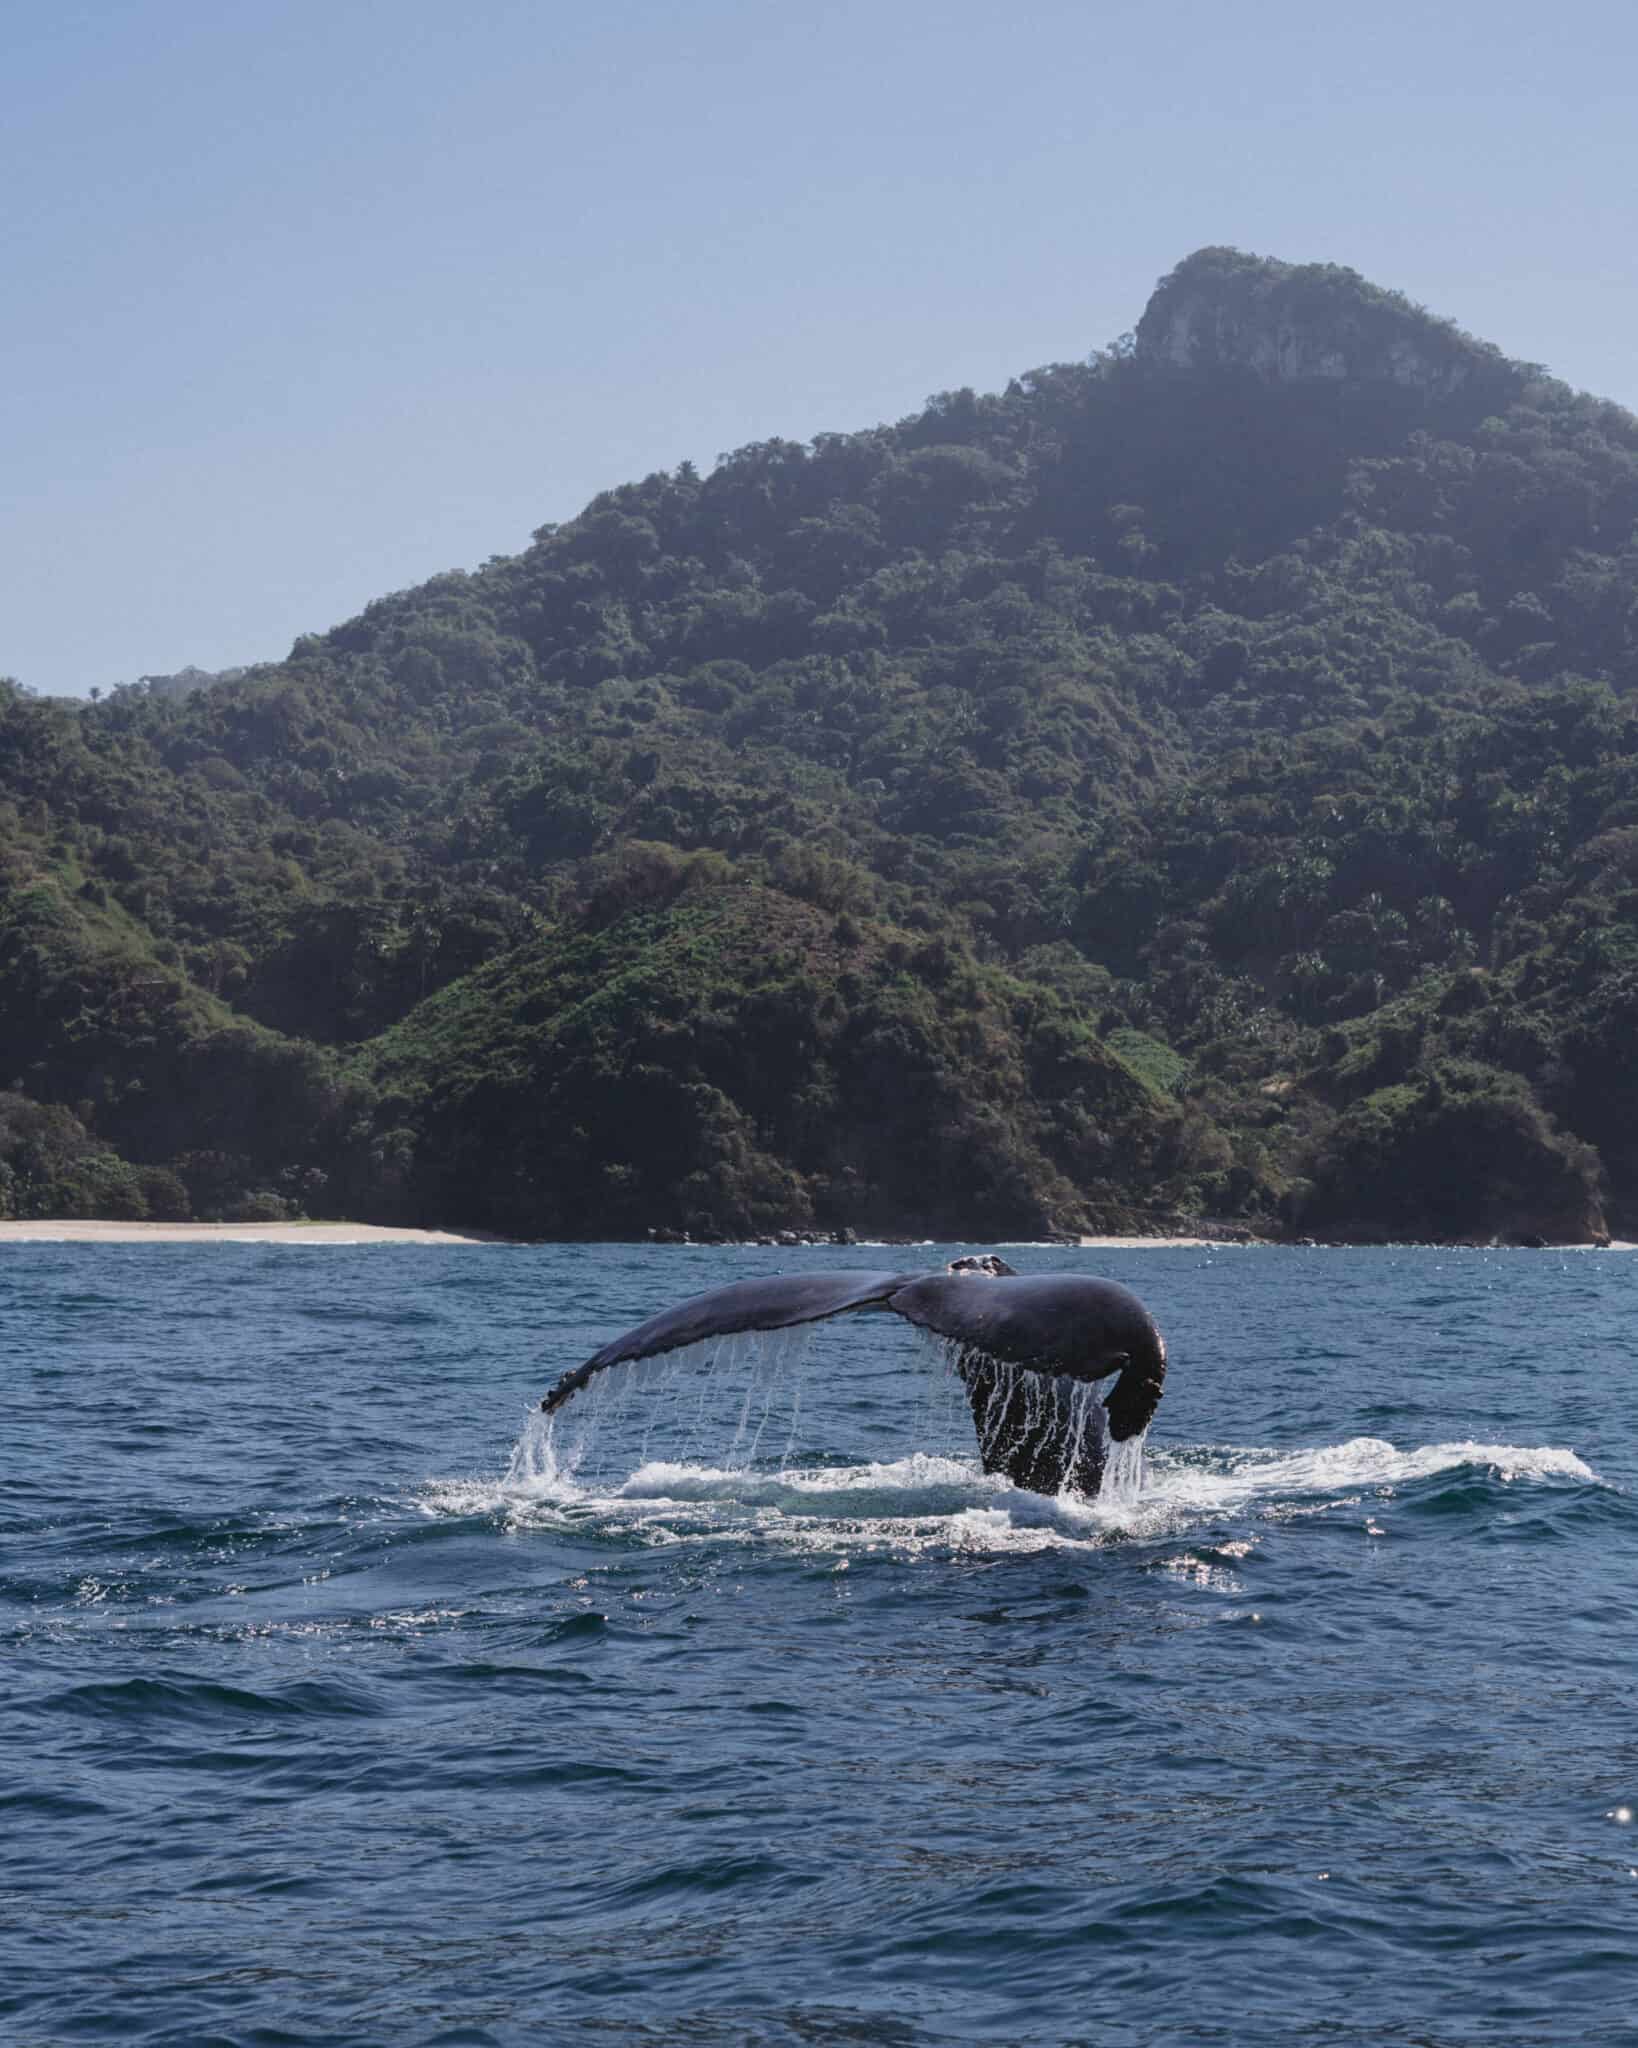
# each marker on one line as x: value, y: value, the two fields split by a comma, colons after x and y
x: 1061, y: 1330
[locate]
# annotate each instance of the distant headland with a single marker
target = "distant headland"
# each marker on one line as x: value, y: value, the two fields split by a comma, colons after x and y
x: 1197, y: 781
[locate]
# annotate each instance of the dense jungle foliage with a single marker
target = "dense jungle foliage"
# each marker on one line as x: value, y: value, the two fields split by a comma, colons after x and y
x: 1201, y: 781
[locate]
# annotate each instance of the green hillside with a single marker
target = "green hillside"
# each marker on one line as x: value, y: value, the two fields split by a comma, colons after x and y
x: 741, y: 1061
x: 1197, y: 781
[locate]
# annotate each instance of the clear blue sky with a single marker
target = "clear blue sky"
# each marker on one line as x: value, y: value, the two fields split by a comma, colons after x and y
x: 308, y: 299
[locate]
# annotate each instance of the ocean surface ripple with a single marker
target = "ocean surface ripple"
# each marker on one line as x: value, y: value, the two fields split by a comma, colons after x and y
x: 347, y: 1701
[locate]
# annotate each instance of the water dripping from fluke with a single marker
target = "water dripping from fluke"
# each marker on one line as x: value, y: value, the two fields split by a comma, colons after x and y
x: 1027, y: 1350
x: 770, y: 1438
x: 738, y: 1461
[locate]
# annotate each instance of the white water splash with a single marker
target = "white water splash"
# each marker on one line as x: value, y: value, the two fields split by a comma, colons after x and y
x: 927, y: 1502
x: 1372, y: 1461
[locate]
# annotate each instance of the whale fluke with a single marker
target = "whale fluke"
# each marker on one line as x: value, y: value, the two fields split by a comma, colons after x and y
x: 779, y: 1304
x: 1024, y: 1346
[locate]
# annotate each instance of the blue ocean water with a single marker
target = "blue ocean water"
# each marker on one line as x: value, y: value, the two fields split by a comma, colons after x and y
x: 342, y: 1704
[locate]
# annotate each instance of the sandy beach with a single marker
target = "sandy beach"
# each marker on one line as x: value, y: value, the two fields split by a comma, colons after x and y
x: 1150, y: 1244
x: 76, y: 1232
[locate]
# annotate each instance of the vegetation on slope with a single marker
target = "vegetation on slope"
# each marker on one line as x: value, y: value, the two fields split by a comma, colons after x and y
x: 1201, y: 779
x: 745, y: 1062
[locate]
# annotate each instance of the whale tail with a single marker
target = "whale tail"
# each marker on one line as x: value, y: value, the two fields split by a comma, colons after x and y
x: 1027, y: 1347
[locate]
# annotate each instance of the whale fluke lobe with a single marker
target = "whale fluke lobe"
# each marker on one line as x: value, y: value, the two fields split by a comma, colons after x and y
x: 779, y: 1304
x: 1026, y: 1347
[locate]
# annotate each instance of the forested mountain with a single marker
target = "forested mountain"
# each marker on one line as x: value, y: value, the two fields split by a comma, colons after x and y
x: 1201, y: 780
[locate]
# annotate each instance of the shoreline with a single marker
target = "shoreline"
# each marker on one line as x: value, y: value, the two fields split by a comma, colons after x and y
x: 85, y: 1231
x: 1144, y: 1244
x: 79, y: 1230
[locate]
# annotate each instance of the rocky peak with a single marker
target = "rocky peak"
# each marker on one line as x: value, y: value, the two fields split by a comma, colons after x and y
x: 1304, y: 323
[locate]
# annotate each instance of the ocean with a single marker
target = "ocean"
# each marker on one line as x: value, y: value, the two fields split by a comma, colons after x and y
x: 344, y: 1702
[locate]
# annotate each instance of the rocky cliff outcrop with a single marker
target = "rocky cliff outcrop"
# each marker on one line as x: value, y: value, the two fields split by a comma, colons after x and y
x: 1308, y: 323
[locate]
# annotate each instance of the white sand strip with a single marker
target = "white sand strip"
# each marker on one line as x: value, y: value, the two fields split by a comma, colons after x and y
x: 1163, y: 1244
x: 77, y: 1232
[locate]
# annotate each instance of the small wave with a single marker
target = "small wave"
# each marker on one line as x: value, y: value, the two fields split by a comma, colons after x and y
x: 1220, y: 1476
x: 174, y: 1700
x: 1186, y: 1486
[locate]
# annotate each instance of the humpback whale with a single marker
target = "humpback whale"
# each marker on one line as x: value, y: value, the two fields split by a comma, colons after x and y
x: 1027, y: 1348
